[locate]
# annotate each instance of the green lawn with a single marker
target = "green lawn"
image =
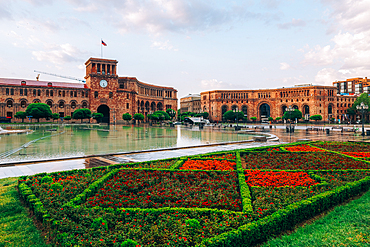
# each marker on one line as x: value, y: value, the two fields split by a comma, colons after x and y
x: 16, y: 228
x: 346, y: 225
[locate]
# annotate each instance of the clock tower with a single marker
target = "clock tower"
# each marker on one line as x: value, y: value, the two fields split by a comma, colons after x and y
x: 102, y: 79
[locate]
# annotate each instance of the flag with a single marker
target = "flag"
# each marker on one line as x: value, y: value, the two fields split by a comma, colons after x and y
x: 103, y: 43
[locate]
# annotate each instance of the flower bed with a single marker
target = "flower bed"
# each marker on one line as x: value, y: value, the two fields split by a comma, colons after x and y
x: 303, y: 148
x: 278, y: 178
x: 300, y: 161
x: 358, y: 154
x: 343, y: 147
x: 155, y: 189
x: 208, y: 165
x: 188, y: 204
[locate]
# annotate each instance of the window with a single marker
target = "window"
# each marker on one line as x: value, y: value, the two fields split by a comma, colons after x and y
x: 64, y: 93
x: 23, y: 104
x: 87, y: 94
x: 51, y: 93
x: 61, y: 104
x: 47, y: 93
x: 49, y: 103
x: 9, y: 103
x: 9, y: 114
x: 73, y: 105
x: 82, y: 94
x: 84, y: 105
x: 34, y: 92
x: 7, y: 91
x: 110, y: 95
x: 23, y: 83
x: 12, y: 91
x: 25, y: 92
x: 75, y: 93
x: 59, y: 93
x: 39, y: 92
x: 61, y: 114
x: 95, y: 94
x: 128, y: 96
x: 127, y: 105
x: 71, y: 94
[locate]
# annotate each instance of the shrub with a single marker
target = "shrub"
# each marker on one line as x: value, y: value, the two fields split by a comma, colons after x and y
x: 46, y: 180
x: 129, y: 243
x: 100, y: 224
x: 193, y: 223
x: 56, y: 186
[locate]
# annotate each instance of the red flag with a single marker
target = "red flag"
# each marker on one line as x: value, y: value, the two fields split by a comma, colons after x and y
x: 103, y: 43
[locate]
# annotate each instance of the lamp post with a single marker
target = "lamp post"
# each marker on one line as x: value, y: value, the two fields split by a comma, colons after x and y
x: 290, y: 110
x: 236, y: 112
x: 362, y: 108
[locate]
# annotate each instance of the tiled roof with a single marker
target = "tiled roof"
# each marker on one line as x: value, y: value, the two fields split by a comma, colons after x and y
x: 17, y: 82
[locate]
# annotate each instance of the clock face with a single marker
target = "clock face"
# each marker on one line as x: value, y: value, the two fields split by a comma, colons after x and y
x: 103, y: 83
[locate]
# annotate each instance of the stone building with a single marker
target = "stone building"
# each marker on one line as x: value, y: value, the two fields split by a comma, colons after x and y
x: 190, y: 102
x: 353, y: 86
x: 265, y: 103
x: 104, y: 92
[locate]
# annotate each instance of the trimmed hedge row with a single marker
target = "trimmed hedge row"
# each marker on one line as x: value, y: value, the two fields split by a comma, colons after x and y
x: 286, y: 219
x: 244, y: 188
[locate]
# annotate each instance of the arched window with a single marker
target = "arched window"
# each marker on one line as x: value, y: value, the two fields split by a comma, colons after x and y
x: 224, y: 109
x: 330, y: 109
x: 23, y: 104
x: 84, y: 105
x: 73, y: 105
x: 9, y: 103
x: 61, y: 104
x: 49, y: 103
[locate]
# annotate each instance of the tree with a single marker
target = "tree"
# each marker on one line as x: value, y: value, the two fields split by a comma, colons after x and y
x: 81, y: 114
x: 233, y: 116
x: 55, y: 116
x: 138, y: 116
x: 166, y: 116
x: 296, y: 114
x: 97, y: 116
x: 67, y: 118
x: 127, y: 117
x: 253, y: 119
x: 205, y: 114
x: 171, y: 113
x: 271, y: 119
x: 363, y: 98
x: 38, y: 110
x: 316, y: 117
x: 278, y: 118
x: 21, y: 114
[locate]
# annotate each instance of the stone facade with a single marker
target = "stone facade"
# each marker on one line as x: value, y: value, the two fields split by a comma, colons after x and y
x: 265, y: 103
x: 190, y: 103
x: 104, y: 92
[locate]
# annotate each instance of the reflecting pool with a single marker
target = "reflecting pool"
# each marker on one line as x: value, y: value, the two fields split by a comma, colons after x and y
x: 47, y: 142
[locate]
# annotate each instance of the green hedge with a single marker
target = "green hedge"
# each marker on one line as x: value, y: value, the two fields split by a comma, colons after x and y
x: 244, y: 188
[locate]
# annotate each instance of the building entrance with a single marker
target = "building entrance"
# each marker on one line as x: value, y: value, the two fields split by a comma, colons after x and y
x: 104, y: 109
x: 264, y: 112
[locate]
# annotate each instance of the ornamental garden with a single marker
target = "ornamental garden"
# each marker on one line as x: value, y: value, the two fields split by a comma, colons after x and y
x: 234, y: 198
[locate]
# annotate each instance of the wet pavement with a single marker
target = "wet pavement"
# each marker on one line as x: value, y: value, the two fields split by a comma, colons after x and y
x: 300, y: 133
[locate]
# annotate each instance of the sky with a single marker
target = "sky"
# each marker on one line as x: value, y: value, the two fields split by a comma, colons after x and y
x: 191, y: 45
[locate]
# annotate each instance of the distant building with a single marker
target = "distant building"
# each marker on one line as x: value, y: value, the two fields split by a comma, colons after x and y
x: 353, y: 86
x: 265, y: 103
x: 104, y: 92
x: 190, y: 103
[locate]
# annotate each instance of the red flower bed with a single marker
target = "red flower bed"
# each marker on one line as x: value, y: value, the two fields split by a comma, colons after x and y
x: 358, y: 154
x: 155, y: 189
x: 208, y: 165
x: 300, y: 161
x: 303, y: 148
x: 278, y: 179
x: 344, y: 146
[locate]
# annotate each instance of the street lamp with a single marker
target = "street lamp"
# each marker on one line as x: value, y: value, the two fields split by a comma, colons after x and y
x: 235, y: 110
x: 362, y: 108
x: 290, y: 110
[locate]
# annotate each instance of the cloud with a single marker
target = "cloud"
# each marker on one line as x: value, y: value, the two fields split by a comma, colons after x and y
x: 293, y: 23
x: 5, y: 12
x: 284, y: 66
x: 60, y: 54
x: 163, y: 45
x: 156, y: 16
x: 215, y: 84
